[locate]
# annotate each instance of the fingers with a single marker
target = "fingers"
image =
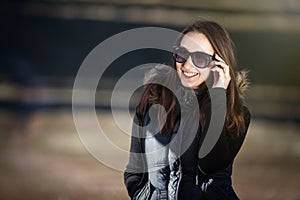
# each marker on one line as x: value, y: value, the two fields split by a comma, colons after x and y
x: 219, y: 77
x: 221, y: 74
x: 219, y: 58
x: 224, y: 67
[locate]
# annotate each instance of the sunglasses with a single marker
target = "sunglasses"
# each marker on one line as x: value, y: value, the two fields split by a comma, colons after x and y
x: 199, y: 59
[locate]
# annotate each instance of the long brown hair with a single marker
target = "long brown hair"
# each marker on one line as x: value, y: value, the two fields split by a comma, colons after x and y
x: 223, y: 46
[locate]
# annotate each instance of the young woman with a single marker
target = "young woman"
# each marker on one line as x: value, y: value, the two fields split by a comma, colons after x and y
x: 204, y: 61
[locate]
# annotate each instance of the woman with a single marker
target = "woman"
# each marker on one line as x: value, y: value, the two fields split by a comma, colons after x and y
x: 204, y: 61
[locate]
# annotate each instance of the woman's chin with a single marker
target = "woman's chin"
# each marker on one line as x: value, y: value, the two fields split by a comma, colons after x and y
x: 190, y: 84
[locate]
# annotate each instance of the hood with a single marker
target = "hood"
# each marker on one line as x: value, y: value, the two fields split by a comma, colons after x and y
x: 242, y: 83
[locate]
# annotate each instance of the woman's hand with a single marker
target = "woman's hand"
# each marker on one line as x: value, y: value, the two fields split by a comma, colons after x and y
x: 221, y: 73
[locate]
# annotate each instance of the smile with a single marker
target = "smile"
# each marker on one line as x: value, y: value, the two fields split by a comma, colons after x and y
x: 190, y: 74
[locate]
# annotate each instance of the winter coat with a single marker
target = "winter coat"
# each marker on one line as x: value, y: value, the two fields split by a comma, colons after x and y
x: 170, y: 173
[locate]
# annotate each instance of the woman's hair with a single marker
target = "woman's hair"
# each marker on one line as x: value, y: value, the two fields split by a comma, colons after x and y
x: 223, y: 46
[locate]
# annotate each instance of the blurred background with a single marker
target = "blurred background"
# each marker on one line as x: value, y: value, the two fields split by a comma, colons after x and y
x: 43, y: 43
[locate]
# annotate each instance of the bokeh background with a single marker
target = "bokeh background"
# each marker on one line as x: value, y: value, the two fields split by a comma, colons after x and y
x: 43, y: 43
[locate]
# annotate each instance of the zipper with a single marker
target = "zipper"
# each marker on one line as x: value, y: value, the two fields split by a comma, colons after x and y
x: 179, y: 180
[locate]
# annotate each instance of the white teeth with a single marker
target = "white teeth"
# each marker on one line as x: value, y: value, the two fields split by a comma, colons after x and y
x: 190, y: 74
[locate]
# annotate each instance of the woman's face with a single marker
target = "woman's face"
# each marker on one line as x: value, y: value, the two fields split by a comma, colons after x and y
x: 189, y: 74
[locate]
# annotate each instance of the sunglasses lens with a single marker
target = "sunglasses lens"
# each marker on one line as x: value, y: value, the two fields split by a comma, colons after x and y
x: 200, y: 59
x: 180, y: 54
x: 180, y: 58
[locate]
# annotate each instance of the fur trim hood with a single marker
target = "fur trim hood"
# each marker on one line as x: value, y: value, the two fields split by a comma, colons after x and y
x: 242, y: 83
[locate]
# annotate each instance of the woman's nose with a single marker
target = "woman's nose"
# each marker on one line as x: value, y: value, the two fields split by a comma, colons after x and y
x: 188, y: 63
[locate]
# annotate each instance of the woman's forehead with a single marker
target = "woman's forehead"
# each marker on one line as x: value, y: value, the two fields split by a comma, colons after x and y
x: 194, y: 41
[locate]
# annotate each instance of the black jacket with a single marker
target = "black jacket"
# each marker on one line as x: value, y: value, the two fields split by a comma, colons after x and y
x: 186, y: 176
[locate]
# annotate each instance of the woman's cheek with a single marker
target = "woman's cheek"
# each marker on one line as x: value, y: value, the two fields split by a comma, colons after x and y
x: 205, y: 74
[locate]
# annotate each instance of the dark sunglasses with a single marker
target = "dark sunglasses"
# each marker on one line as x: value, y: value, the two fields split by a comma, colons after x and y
x: 199, y: 59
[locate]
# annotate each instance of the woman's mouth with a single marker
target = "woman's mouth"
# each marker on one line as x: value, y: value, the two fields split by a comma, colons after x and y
x: 189, y: 74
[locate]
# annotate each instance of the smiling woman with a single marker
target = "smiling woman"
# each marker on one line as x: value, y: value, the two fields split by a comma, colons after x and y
x: 186, y: 174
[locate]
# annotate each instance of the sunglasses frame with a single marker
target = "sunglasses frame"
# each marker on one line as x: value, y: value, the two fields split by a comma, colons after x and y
x: 191, y: 54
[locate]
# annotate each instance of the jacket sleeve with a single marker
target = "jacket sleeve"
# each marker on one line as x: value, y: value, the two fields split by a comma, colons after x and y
x: 134, y: 172
x: 227, y: 146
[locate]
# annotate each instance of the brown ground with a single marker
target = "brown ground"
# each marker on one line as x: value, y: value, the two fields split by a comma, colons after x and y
x: 51, y: 163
